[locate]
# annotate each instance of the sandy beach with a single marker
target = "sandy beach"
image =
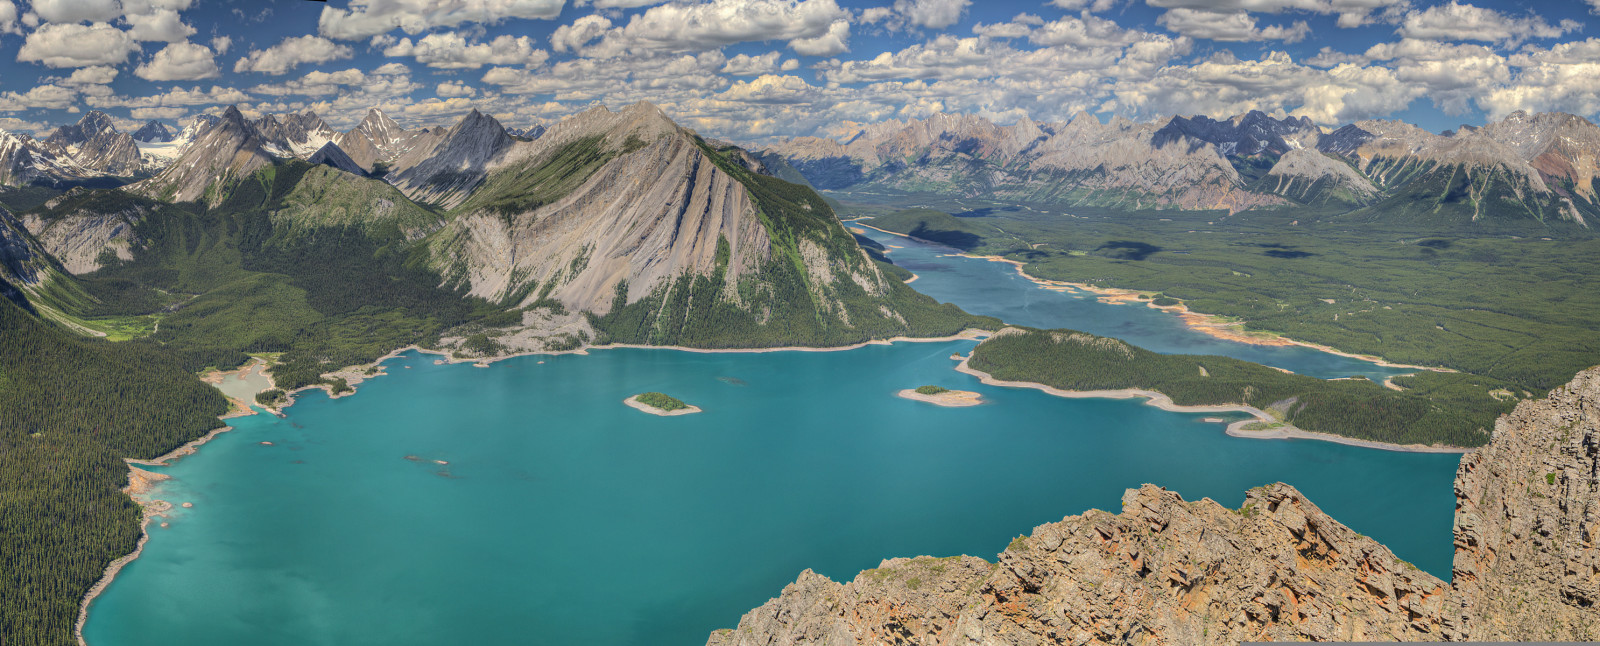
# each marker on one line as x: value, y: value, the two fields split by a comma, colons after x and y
x: 1235, y: 429
x: 948, y: 398
x: 1211, y: 324
x: 634, y: 403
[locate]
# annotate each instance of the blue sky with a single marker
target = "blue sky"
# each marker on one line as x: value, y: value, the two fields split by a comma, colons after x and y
x: 755, y: 70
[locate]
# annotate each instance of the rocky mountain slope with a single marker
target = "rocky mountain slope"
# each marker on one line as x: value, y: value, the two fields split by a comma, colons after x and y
x: 153, y: 132
x: 650, y: 230
x: 220, y: 154
x: 1167, y: 571
x: 294, y: 135
x: 83, y: 233
x: 330, y: 155
x: 95, y: 144
x: 378, y: 139
x: 1539, y: 167
x: 25, y: 161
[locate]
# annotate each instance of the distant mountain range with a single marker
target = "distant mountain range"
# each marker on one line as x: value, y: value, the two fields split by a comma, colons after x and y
x: 1539, y: 167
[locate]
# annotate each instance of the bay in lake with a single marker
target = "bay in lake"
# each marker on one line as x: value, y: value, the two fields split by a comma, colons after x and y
x: 559, y: 516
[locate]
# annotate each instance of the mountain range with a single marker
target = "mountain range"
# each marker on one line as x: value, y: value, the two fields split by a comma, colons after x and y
x: 620, y: 226
x: 1535, y: 167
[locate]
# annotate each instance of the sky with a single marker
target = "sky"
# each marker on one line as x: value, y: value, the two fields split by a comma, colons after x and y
x: 762, y: 70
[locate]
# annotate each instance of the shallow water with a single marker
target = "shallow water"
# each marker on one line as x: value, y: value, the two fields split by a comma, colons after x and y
x: 995, y: 289
x: 564, y: 517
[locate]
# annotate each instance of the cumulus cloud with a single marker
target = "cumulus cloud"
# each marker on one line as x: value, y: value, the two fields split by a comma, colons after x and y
x: 8, y: 18
x: 98, y: 75
x: 175, y: 97
x: 77, y: 10
x: 626, y: 4
x: 221, y: 44
x: 933, y: 14
x: 581, y: 32
x: 1093, y: 6
x: 450, y: 89
x: 291, y: 53
x: 746, y: 65
x: 452, y: 51
x: 719, y: 23
x: 1352, y: 13
x: 149, y: 114
x: 350, y: 82
x: 74, y: 45
x: 180, y: 62
x: 1457, y: 21
x: 367, y: 18
x: 1087, y: 31
x: 836, y: 41
x: 160, y: 25
x: 50, y: 97
x: 1235, y: 26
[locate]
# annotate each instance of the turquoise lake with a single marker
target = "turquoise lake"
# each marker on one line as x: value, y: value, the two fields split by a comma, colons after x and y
x: 564, y: 517
x: 995, y: 289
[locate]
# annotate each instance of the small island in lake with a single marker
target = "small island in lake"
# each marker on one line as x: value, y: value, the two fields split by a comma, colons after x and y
x: 942, y: 396
x: 660, y: 404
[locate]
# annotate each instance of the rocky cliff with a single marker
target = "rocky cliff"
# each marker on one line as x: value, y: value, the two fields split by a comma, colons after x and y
x: 82, y: 233
x: 1167, y: 571
x: 95, y: 144
x: 1527, y: 523
x: 222, y: 152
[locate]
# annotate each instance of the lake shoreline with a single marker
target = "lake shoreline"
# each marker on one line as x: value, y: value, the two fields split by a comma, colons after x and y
x: 1236, y: 429
x: 634, y: 403
x: 1213, y: 325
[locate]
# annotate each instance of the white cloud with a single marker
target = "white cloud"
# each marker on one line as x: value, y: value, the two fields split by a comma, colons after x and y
x: 161, y: 25
x: 627, y: 4
x: 69, y: 11
x: 149, y: 114
x: 1457, y: 21
x: 98, y: 75
x: 221, y: 44
x: 74, y: 45
x: 934, y: 14
x: 348, y: 83
x: 1235, y: 26
x: 746, y: 65
x: 836, y: 41
x: 50, y: 97
x: 180, y: 62
x: 581, y: 32
x: 1565, y: 77
x: 450, y: 89
x: 1352, y: 13
x: 719, y: 23
x: 366, y: 18
x: 8, y: 18
x: 452, y: 51
x: 1093, y: 6
x: 1087, y: 31
x: 875, y: 15
x: 292, y: 52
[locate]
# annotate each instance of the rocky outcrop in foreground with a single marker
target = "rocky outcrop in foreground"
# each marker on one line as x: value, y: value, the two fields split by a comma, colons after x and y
x: 1167, y: 571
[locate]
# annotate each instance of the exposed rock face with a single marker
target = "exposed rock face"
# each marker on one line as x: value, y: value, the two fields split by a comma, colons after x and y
x: 530, y: 132
x: 22, y: 266
x: 1311, y: 177
x: 294, y: 135
x: 379, y: 139
x: 1120, y: 163
x: 1253, y: 133
x: 220, y: 154
x: 448, y: 170
x: 78, y: 238
x: 331, y: 155
x: 1527, y: 518
x: 642, y: 219
x: 154, y: 132
x: 96, y: 145
x: 25, y: 161
x: 1166, y: 571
